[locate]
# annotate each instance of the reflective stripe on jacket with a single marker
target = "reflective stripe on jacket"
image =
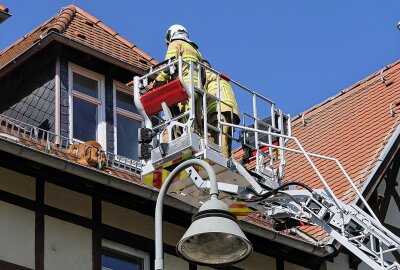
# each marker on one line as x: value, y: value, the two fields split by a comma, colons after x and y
x: 226, y: 95
x: 189, y: 54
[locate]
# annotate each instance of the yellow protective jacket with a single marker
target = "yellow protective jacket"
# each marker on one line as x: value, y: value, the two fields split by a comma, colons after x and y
x: 189, y: 54
x: 226, y: 95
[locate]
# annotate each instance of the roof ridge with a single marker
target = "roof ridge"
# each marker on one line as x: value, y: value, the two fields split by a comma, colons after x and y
x: 126, y: 42
x: 346, y: 90
x: 63, y: 20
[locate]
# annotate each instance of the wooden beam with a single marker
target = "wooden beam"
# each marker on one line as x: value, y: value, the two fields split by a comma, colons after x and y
x: 39, y: 225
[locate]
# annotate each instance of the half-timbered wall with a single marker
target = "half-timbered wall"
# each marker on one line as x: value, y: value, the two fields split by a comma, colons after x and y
x: 47, y: 226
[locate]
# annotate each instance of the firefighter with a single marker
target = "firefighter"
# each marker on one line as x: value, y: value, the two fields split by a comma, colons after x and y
x: 228, y: 105
x: 179, y: 44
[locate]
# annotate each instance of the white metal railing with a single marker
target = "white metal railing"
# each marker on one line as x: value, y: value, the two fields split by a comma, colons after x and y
x: 261, y: 108
x: 50, y: 142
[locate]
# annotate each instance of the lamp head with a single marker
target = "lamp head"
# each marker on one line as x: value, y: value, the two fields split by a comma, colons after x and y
x: 214, y: 237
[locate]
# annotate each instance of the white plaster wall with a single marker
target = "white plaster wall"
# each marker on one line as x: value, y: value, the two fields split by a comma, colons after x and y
x: 363, y: 266
x: 66, y: 246
x: 16, y: 183
x: 339, y: 262
x: 291, y: 266
x: 175, y: 263
x: 135, y: 222
x: 68, y: 200
x: 199, y: 267
x: 258, y: 261
x: 17, y: 235
x: 342, y: 262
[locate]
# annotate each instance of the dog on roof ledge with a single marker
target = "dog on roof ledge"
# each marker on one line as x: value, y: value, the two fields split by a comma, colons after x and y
x: 89, y: 154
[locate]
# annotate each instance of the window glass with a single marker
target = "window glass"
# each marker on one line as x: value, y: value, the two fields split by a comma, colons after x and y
x: 85, y: 85
x: 84, y: 120
x: 119, y: 261
x: 127, y: 140
x: 125, y: 101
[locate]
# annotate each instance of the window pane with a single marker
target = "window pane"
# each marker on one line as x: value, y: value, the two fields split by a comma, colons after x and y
x: 119, y: 261
x: 85, y: 120
x: 125, y: 101
x: 127, y: 140
x: 85, y: 85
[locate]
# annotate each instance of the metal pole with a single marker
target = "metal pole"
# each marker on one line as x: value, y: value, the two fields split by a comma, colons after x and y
x: 192, y: 91
x: 255, y: 117
x: 219, y: 111
x: 205, y: 119
x: 138, y: 103
x: 159, y: 256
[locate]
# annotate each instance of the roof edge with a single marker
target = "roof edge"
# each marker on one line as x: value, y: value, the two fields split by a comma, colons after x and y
x: 57, y: 37
x: 383, y: 159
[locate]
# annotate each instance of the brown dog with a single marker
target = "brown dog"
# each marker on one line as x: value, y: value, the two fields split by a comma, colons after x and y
x: 89, y: 154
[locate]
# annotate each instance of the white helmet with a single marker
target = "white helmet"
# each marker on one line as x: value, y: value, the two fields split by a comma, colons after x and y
x: 177, y: 31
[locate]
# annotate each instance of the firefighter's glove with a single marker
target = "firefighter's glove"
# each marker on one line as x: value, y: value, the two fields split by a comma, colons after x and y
x: 149, y: 87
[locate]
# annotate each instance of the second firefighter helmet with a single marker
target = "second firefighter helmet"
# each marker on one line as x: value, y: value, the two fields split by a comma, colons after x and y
x: 177, y: 31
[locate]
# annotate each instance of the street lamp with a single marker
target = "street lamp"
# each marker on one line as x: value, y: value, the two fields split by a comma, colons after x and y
x: 214, y: 238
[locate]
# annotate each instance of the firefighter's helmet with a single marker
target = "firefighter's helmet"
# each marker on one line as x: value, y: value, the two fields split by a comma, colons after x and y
x: 177, y: 31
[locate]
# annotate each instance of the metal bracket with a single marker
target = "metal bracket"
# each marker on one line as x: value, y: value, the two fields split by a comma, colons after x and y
x: 166, y: 110
x: 196, y: 178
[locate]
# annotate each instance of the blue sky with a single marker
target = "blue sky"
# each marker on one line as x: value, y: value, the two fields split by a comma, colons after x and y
x: 297, y: 53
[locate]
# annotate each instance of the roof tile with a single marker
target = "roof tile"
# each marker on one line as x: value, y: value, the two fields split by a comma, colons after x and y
x: 77, y: 24
x: 63, y: 19
x: 353, y: 127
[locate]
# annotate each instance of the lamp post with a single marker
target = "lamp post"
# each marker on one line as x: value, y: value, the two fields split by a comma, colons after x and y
x: 214, y: 238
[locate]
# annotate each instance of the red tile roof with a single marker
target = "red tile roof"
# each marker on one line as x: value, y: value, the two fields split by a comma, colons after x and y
x: 353, y: 127
x: 78, y: 25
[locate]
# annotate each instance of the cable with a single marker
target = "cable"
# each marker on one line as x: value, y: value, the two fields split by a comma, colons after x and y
x: 296, y: 184
x: 276, y: 190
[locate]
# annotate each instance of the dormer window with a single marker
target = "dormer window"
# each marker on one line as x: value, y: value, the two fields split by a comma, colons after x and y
x: 127, y: 121
x: 86, y: 95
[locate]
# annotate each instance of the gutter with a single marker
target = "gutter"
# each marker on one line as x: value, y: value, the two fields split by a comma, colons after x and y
x: 144, y: 192
x: 69, y: 42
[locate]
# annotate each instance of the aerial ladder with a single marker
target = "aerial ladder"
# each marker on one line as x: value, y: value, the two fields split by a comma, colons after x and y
x: 168, y: 138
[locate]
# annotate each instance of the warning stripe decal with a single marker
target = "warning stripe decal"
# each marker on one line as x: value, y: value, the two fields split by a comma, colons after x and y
x: 240, y: 210
x: 158, y: 177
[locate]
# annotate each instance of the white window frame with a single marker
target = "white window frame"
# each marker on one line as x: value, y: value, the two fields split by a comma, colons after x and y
x: 128, y: 251
x: 118, y: 86
x: 100, y: 102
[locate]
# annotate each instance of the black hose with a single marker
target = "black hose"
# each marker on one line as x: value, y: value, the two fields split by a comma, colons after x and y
x: 274, y: 191
x: 295, y: 184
